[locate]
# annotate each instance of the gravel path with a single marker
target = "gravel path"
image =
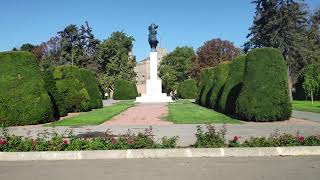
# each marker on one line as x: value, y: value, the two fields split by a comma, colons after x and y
x: 142, y: 114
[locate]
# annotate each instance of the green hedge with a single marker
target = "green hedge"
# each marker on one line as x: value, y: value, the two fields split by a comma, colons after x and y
x: 220, y: 75
x: 59, y: 108
x: 232, y: 86
x: 187, y: 89
x: 204, y: 86
x: 89, y: 79
x: 73, y: 89
x: 23, y: 97
x: 124, y: 90
x: 264, y: 95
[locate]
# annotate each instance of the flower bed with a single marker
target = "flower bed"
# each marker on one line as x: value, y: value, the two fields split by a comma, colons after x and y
x: 209, y: 138
x: 213, y: 138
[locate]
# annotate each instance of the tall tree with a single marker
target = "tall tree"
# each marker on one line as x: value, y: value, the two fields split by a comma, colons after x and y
x: 216, y: 51
x: 282, y: 24
x: 175, y: 66
x: 116, y: 61
x: 311, y: 82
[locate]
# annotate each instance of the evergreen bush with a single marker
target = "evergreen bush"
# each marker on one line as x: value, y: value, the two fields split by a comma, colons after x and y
x: 124, y: 90
x: 232, y: 86
x: 187, y: 89
x: 220, y: 75
x: 264, y: 95
x: 23, y: 97
x: 204, y: 86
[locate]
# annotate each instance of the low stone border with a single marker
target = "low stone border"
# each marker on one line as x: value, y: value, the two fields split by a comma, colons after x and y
x: 161, y: 153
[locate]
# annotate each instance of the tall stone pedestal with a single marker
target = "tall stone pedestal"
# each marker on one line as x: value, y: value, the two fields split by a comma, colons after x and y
x: 154, y: 85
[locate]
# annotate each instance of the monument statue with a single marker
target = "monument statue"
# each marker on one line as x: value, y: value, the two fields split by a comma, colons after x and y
x: 154, y: 85
x: 153, y: 37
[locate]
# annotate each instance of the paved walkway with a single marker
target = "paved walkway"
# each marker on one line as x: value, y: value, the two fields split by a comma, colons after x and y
x: 244, y: 168
x: 142, y: 114
x: 306, y: 115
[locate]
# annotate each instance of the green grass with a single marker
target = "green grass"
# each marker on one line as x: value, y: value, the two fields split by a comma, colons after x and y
x: 306, y: 106
x: 96, y: 116
x: 185, y: 112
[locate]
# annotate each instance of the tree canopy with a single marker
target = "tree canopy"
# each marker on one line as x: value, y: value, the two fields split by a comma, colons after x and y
x: 175, y: 66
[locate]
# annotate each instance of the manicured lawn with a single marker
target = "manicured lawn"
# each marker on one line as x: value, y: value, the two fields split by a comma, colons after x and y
x: 185, y: 112
x: 96, y: 116
x: 306, y: 106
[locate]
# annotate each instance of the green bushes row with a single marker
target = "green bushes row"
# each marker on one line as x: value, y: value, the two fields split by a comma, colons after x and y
x: 187, y: 89
x: 252, y: 87
x: 124, y: 90
x: 29, y: 96
x: 23, y: 97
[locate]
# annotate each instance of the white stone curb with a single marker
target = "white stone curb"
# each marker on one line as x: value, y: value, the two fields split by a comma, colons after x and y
x: 160, y: 153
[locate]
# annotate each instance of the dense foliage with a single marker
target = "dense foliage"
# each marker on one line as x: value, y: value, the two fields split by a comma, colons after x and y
x: 116, y: 60
x: 204, y: 86
x: 56, y: 97
x: 311, y: 83
x: 124, y: 90
x: 232, y: 87
x: 216, y: 51
x: 287, y: 26
x: 220, y: 75
x: 175, y: 66
x: 214, y: 138
x: 73, y: 88
x: 88, y: 77
x: 264, y: 96
x: 23, y: 97
x: 187, y: 89
x: 69, y: 142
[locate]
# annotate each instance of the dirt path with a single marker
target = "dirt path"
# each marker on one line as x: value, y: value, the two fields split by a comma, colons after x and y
x: 142, y: 114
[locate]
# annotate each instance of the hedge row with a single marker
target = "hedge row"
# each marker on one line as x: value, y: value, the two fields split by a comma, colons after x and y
x: 29, y: 96
x: 187, y: 89
x: 124, y: 90
x: 252, y: 87
x: 23, y: 97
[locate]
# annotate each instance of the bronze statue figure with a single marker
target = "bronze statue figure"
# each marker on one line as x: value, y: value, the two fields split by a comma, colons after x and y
x: 153, y: 37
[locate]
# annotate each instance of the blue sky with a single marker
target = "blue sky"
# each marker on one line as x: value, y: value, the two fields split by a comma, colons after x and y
x: 181, y: 22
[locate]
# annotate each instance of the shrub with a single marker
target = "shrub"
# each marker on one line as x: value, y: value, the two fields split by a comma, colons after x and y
x: 59, y: 108
x: 220, y: 74
x: 88, y: 77
x: 23, y: 97
x: 187, y: 89
x: 124, y: 90
x: 204, y: 85
x: 264, y: 95
x: 212, y: 138
x: 233, y: 85
x: 69, y: 84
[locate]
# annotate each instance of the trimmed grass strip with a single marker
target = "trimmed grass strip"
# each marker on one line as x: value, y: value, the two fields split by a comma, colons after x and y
x: 306, y: 106
x: 96, y: 116
x: 185, y: 112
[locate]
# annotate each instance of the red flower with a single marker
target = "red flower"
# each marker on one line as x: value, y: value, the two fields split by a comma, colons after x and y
x: 113, y: 140
x: 130, y: 141
x: 300, y: 138
x: 65, y: 141
x: 236, y: 138
x: 3, y: 141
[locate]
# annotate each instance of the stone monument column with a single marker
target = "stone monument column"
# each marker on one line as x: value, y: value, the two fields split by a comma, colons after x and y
x: 154, y: 84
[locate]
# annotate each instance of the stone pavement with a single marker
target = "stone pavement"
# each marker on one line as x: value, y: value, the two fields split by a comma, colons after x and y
x: 231, y: 168
x: 306, y: 115
x: 141, y: 114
